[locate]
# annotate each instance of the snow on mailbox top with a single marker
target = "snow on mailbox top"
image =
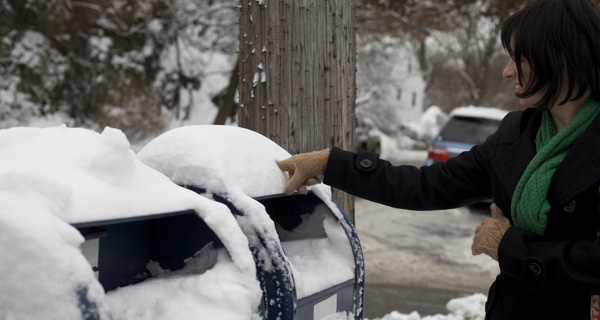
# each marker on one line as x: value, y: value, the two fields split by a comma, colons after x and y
x: 91, y: 176
x: 218, y: 159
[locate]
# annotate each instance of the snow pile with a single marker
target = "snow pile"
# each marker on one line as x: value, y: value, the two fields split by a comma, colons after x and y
x: 220, y: 293
x: 428, y: 126
x: 471, y: 307
x: 412, y: 138
x: 222, y: 159
x: 432, y: 120
x: 323, y: 262
x: 42, y: 270
x: 89, y: 169
x: 339, y: 316
x: 466, y: 308
x: 52, y: 177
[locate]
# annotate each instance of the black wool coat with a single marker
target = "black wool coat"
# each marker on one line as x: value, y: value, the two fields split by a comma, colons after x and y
x: 541, y: 277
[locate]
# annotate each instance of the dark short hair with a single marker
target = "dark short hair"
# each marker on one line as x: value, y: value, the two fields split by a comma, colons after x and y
x: 553, y: 36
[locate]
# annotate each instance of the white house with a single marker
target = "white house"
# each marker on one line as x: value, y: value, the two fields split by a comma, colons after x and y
x: 392, y: 79
x: 406, y: 91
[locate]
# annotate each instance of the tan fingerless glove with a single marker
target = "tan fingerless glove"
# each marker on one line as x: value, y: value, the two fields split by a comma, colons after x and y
x: 489, y: 234
x: 304, y: 169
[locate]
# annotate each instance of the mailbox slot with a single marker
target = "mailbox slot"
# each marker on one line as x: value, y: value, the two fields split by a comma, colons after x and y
x: 120, y: 250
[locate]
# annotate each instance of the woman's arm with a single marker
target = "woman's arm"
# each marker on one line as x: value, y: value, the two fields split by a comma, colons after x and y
x: 459, y: 181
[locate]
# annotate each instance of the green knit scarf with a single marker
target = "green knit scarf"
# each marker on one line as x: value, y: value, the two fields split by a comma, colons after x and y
x: 529, y: 204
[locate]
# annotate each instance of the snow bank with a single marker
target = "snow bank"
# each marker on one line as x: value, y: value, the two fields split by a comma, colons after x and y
x: 465, y: 308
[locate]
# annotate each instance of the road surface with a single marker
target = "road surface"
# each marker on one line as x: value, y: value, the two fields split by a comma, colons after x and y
x: 418, y: 261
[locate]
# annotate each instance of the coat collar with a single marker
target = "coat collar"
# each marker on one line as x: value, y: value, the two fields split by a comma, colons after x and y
x: 516, y: 148
x: 579, y: 170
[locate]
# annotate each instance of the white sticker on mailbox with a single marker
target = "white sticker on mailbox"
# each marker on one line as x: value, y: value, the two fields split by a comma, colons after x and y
x: 90, y: 249
x: 325, y: 307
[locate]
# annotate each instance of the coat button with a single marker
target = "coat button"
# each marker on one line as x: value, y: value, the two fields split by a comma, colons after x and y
x: 365, y: 163
x: 570, y: 208
x: 535, y: 269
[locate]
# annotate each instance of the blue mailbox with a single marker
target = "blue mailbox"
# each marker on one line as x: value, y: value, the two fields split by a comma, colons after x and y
x: 307, y: 253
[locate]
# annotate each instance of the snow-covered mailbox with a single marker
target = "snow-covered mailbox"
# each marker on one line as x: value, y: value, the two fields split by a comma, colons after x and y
x: 160, y: 251
x: 308, y: 256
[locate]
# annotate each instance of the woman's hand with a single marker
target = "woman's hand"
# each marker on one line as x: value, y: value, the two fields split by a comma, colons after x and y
x: 304, y: 169
x: 489, y: 234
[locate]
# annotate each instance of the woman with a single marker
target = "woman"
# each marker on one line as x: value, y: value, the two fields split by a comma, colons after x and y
x: 542, y: 169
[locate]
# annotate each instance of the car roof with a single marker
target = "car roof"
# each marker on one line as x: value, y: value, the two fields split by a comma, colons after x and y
x: 479, y: 112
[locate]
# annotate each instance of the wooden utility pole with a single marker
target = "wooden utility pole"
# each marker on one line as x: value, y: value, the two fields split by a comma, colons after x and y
x: 298, y: 75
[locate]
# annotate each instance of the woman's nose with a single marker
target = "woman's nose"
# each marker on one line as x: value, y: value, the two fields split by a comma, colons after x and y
x: 510, y: 70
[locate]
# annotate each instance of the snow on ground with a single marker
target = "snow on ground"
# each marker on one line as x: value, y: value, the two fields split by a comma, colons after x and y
x: 467, y: 308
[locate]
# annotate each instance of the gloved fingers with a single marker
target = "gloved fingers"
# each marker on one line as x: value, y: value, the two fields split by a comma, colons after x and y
x: 475, y: 247
x: 503, y: 222
x: 476, y: 239
x: 487, y: 237
x: 302, y: 189
x: 290, y: 188
x: 486, y: 223
x: 312, y: 181
x: 496, y: 212
x: 478, y: 229
x: 309, y: 182
x: 296, y: 180
x: 480, y: 234
x: 303, y: 169
x: 286, y: 165
x: 292, y: 183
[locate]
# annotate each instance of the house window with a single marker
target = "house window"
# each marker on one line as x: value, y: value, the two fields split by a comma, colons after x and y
x: 398, y: 94
x: 414, y: 99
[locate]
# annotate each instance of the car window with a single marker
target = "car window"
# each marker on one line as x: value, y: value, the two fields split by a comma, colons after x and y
x: 468, y: 129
